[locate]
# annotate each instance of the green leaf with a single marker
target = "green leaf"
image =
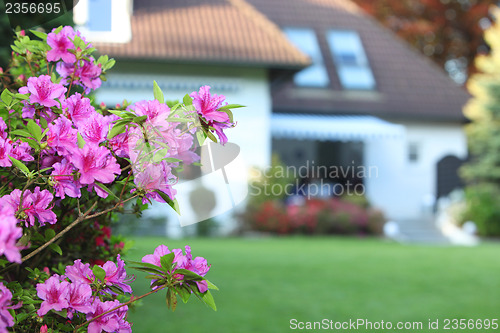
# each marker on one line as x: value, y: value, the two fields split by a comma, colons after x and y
x: 145, y: 264
x: 183, y: 292
x: 231, y: 106
x: 102, y: 186
x: 187, y: 100
x: 140, y: 120
x: 149, y: 270
x: 171, y: 300
x: 211, y: 136
x: 117, y: 129
x: 179, y: 120
x: 44, y: 124
x: 172, y: 203
x: 33, y: 144
x: 211, y: 285
x: 171, y: 104
x: 189, y: 275
x: 200, y: 135
x: 158, y: 94
x: 6, y: 97
x: 39, y: 34
x: 49, y: 234
x: 230, y: 115
x: 56, y: 248
x: 34, y: 129
x: 208, y: 299
x: 21, y: 133
x: 99, y: 272
x: 172, y: 159
x: 166, y: 261
x: 20, y: 165
x: 81, y: 141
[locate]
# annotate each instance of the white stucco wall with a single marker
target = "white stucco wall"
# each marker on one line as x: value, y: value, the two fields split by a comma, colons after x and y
x: 248, y: 87
x: 403, y: 188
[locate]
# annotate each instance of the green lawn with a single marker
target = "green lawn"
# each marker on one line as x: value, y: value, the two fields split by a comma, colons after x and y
x: 264, y: 283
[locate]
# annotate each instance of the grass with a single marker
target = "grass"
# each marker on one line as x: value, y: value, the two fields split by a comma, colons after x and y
x: 266, y: 282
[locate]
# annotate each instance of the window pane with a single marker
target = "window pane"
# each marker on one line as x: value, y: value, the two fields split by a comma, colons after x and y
x: 352, y: 64
x: 99, y: 15
x: 305, y: 40
x: 353, y: 77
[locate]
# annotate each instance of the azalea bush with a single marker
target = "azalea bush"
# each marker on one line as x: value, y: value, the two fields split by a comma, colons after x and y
x: 67, y: 166
x: 340, y: 216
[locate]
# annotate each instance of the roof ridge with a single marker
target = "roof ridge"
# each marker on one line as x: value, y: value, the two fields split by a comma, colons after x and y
x: 266, y: 24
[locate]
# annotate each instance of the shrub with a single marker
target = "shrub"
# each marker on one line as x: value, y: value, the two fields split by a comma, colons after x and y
x: 67, y: 166
x: 315, y: 216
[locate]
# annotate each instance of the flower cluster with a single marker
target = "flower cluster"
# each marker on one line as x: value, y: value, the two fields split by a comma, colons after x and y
x: 197, y: 265
x: 66, y: 165
x: 79, y: 290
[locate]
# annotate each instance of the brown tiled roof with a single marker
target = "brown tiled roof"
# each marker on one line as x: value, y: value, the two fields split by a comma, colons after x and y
x: 409, y: 85
x: 214, y: 31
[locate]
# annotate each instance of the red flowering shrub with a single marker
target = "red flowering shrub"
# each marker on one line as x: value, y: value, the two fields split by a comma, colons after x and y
x: 315, y: 216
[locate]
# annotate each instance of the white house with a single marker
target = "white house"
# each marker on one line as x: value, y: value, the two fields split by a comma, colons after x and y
x: 324, y: 84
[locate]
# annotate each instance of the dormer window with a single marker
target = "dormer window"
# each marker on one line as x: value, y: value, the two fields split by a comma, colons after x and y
x: 350, y: 59
x: 104, y: 20
x: 315, y: 75
x: 100, y: 15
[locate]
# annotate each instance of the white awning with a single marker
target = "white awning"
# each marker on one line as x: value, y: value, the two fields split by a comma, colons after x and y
x: 333, y: 127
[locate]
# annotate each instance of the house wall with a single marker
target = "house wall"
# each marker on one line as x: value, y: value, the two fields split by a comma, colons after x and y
x: 405, y: 189
x: 249, y: 87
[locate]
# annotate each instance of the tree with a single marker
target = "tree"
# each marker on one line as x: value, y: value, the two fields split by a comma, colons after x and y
x: 448, y: 31
x: 483, y: 171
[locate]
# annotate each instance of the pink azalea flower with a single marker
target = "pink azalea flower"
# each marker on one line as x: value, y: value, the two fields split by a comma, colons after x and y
x: 206, y: 106
x: 112, y: 322
x: 116, y: 275
x: 22, y: 151
x: 34, y: 205
x: 62, y: 136
x: 77, y: 108
x: 198, y: 265
x: 86, y: 75
x: 43, y: 91
x: 156, y: 112
x: 64, y: 182
x: 61, y: 44
x: 94, y: 129
x: 80, y: 297
x: 154, y: 177
x: 155, y: 258
x: 6, y: 319
x: 95, y: 163
x: 5, y: 150
x: 54, y: 293
x: 79, y: 272
x: 120, y: 145
x: 37, y: 204
x: 9, y: 233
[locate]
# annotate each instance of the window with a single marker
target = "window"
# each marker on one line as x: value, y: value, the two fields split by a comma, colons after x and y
x: 349, y: 56
x: 99, y: 15
x: 316, y: 74
x: 413, y: 152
